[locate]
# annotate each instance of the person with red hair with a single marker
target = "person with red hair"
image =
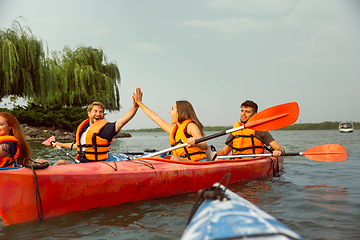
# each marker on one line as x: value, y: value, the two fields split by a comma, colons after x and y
x: 14, y: 149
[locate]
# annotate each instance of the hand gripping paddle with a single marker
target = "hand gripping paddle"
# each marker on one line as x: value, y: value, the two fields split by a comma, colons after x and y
x: 51, y: 141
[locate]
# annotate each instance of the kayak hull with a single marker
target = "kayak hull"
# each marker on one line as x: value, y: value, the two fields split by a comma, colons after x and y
x: 78, y: 187
x: 235, y: 218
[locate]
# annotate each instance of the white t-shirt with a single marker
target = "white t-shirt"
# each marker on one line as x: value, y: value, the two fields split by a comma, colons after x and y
x: 83, y: 137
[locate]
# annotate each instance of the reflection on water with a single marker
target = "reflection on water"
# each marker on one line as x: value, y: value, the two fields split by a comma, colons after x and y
x: 252, y: 191
x: 329, y: 207
x: 323, y: 195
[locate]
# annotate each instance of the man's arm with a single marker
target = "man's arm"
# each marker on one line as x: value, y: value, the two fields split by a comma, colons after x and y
x: 227, y: 148
x: 277, y: 148
x: 268, y: 139
x: 127, y: 117
x: 71, y: 145
x: 225, y: 151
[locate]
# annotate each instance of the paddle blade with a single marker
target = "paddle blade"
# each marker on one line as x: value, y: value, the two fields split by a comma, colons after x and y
x: 49, y: 140
x: 274, y: 117
x: 327, y: 153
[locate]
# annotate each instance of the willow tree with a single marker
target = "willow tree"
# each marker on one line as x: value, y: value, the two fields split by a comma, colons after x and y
x: 71, y: 78
x: 22, y: 66
x: 84, y: 76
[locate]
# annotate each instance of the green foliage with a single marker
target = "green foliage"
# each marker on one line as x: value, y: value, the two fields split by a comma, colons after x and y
x: 21, y: 58
x: 206, y: 129
x: 298, y: 126
x: 317, y: 126
x: 70, y: 78
x: 67, y: 118
x: 217, y: 128
x: 83, y: 76
x: 145, y: 130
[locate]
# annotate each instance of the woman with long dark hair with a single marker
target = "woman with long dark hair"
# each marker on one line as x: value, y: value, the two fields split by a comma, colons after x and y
x: 184, y: 127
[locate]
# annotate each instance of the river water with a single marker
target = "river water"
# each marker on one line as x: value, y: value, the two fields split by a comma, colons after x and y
x: 317, y: 200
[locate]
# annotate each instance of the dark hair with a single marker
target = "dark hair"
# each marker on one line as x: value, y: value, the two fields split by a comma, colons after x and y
x: 185, y: 111
x: 249, y: 103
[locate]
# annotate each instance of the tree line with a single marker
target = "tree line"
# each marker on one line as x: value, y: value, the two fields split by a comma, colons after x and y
x: 65, y: 118
x: 71, y: 78
x: 318, y: 126
x: 297, y: 126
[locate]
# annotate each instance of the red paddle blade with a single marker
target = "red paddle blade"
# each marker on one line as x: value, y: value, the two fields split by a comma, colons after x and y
x: 275, y: 117
x: 49, y: 140
x: 327, y: 153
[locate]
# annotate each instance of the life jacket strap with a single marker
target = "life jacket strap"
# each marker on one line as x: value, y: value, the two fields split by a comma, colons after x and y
x: 177, y: 143
x: 9, y: 163
x: 243, y: 149
x: 253, y: 147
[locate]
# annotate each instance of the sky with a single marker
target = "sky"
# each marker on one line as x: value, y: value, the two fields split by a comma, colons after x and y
x: 214, y: 53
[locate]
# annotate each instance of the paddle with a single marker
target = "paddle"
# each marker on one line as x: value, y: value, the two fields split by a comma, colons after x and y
x: 51, y: 141
x: 321, y: 153
x: 268, y: 119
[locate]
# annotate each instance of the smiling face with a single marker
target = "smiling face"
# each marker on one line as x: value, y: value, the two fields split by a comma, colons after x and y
x: 96, y: 114
x: 174, y: 114
x: 5, y: 129
x: 246, y: 114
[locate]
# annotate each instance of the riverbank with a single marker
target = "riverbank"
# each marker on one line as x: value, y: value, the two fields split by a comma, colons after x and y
x: 43, y: 133
x: 296, y: 126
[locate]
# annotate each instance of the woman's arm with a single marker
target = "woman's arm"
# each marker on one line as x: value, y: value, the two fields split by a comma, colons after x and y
x: 194, y: 131
x: 167, y: 127
x: 4, y: 150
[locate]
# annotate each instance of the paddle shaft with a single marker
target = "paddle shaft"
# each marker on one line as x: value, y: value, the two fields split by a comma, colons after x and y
x: 66, y: 153
x: 197, y: 141
x: 284, y: 154
x: 258, y: 155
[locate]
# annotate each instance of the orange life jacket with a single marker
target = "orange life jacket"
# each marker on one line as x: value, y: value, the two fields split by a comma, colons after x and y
x: 9, y: 161
x: 178, y: 136
x: 96, y: 148
x: 245, y: 142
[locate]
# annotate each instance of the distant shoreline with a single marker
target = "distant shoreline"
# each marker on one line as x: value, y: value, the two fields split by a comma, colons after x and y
x: 41, y: 133
x: 296, y: 126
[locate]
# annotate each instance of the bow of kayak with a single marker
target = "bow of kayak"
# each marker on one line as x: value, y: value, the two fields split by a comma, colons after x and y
x: 233, y: 217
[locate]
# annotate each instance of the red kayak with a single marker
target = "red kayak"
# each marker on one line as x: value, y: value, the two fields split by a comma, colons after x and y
x: 27, y: 195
